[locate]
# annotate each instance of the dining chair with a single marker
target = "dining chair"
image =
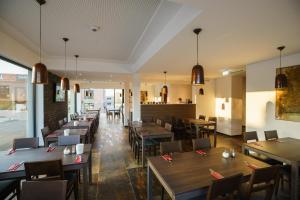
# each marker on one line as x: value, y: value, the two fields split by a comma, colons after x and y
x: 24, y: 143
x: 210, y: 129
x: 168, y: 126
x: 250, y: 136
x: 202, y: 117
x: 159, y: 122
x: 45, y: 132
x: 225, y: 188
x: 65, y: 120
x: 170, y: 147
x: 46, y: 190
x: 68, y: 140
x: 262, y: 179
x: 60, y: 123
x: 9, y: 189
x: 49, y: 171
x: 201, y: 143
x: 108, y: 114
x: 271, y: 135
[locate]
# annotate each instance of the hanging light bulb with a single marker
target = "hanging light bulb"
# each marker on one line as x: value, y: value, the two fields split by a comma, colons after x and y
x: 64, y: 82
x: 39, y: 70
x: 281, y: 79
x: 197, y: 72
x: 76, y: 85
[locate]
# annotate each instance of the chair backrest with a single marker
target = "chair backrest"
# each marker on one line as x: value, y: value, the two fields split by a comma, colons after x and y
x: 212, y: 119
x: 46, y: 190
x: 170, y: 147
x: 21, y: 143
x: 202, y: 117
x: 45, y: 131
x: 159, y: 122
x: 49, y: 170
x: 60, y: 123
x: 271, y: 135
x: 264, y: 179
x: 225, y: 188
x: 65, y: 120
x: 250, y: 136
x: 168, y: 126
x: 201, y: 143
x: 68, y: 140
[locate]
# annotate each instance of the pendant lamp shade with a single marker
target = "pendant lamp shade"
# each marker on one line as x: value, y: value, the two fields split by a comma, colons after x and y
x: 197, y: 71
x: 201, y: 91
x: 76, y: 85
x: 164, y: 89
x: 281, y: 80
x: 39, y: 70
x: 65, y: 82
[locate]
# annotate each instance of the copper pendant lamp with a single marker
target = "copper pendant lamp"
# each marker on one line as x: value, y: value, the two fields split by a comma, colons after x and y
x: 76, y: 85
x: 281, y: 80
x: 197, y: 72
x: 164, y: 89
x: 201, y: 91
x: 39, y: 70
x: 64, y: 82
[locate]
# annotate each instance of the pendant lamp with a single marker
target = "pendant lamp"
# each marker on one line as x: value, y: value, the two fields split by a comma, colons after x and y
x: 197, y: 72
x: 64, y: 82
x: 76, y: 85
x: 39, y: 70
x: 201, y: 91
x: 281, y: 79
x: 164, y: 89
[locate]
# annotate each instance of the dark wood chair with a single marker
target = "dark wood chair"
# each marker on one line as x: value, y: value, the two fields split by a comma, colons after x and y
x: 201, y: 143
x: 210, y: 129
x: 225, y: 188
x: 271, y: 135
x: 22, y: 143
x: 51, y: 170
x: 46, y: 190
x: 250, y: 136
x: 9, y: 189
x: 202, y: 117
x: 60, y: 123
x: 170, y: 147
x: 68, y: 140
x: 263, y: 179
x: 45, y: 132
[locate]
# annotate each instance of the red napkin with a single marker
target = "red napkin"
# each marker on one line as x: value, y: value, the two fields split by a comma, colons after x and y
x: 50, y: 149
x: 201, y: 152
x: 11, y: 151
x: 215, y: 174
x: 167, y: 157
x: 252, y: 166
x: 78, y: 159
x: 15, y: 166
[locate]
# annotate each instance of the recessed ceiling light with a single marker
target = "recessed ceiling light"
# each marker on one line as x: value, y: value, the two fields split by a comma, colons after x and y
x: 95, y: 28
x: 226, y: 72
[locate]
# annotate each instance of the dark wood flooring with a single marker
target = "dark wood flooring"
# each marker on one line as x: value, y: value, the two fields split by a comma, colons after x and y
x: 116, y: 175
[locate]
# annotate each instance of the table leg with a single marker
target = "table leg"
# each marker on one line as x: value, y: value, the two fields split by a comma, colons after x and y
x: 215, y: 136
x: 197, y: 131
x: 149, y: 183
x: 90, y: 168
x: 85, y: 182
x: 294, y: 182
x: 143, y: 152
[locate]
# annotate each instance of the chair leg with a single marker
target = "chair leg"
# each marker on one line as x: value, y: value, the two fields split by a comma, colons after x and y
x: 162, y: 193
x: 76, y: 189
x: 18, y: 191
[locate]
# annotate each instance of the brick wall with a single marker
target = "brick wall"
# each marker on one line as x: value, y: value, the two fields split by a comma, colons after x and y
x: 53, y: 111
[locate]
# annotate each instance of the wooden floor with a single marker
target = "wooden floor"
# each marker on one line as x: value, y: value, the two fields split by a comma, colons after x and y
x: 116, y: 175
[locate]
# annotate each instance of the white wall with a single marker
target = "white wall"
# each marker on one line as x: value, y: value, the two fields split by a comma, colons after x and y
x: 260, y: 98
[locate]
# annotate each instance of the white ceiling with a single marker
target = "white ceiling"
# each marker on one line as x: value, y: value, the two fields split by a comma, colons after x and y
x: 121, y: 25
x: 235, y: 33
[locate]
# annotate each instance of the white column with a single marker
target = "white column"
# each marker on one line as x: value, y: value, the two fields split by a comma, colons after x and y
x: 126, y: 103
x: 136, y: 98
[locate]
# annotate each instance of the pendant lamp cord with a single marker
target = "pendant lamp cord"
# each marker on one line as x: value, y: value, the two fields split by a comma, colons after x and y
x: 40, y: 33
x: 280, y: 61
x: 197, y: 48
x: 65, y: 58
x: 76, y: 69
x: 165, y: 78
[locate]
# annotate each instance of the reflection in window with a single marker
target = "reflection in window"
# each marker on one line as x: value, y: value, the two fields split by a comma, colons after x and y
x: 14, y: 103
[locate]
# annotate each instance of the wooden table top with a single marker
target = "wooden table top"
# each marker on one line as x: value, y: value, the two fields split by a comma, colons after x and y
x: 200, y: 122
x: 59, y: 132
x: 39, y: 154
x: 285, y: 148
x: 81, y: 124
x: 189, y: 171
x: 151, y: 130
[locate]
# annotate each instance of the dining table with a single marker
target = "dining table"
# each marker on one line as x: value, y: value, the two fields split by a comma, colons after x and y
x: 188, y: 174
x: 199, y: 123
x: 285, y: 150
x: 53, y: 136
x: 43, y: 154
x: 150, y: 131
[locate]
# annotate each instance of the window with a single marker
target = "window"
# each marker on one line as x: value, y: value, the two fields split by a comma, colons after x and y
x: 15, y: 103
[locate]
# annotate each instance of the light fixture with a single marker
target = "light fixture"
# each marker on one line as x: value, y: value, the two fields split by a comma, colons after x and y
x: 76, y: 85
x: 39, y: 70
x: 281, y: 79
x: 197, y: 72
x: 225, y: 72
x: 64, y: 82
x: 201, y: 91
x: 164, y: 89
